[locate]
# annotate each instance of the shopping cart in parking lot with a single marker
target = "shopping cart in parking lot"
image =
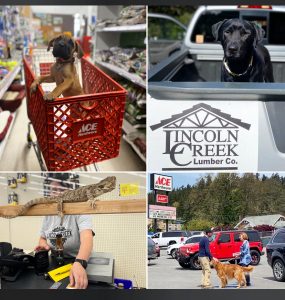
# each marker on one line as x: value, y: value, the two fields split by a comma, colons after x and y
x: 69, y: 138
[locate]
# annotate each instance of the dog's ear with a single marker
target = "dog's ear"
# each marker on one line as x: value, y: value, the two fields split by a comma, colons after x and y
x: 216, y: 30
x: 259, y: 33
x: 79, y: 50
x: 50, y: 43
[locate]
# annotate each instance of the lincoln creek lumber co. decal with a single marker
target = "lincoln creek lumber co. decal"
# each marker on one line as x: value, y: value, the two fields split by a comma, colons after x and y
x: 202, y: 138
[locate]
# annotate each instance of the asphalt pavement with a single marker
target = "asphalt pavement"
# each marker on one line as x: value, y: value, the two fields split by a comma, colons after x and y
x: 166, y: 273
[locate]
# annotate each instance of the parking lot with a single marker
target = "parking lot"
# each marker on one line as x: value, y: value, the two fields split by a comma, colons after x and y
x: 166, y: 273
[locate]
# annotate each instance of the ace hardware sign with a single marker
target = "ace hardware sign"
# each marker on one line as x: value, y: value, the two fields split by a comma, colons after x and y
x: 161, y: 182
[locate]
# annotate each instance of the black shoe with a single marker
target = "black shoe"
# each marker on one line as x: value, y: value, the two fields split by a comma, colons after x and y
x: 248, y: 284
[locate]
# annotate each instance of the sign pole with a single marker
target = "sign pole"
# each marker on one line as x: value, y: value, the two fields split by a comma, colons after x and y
x: 155, y: 220
x: 167, y: 219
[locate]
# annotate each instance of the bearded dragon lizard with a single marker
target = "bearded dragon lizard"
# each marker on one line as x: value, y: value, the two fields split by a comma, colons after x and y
x: 86, y: 193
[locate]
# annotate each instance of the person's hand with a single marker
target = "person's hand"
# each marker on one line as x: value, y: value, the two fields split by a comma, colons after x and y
x: 78, y: 276
x: 42, y: 246
x: 215, y: 259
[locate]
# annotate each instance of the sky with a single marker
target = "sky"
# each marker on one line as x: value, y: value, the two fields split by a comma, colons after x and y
x: 182, y: 179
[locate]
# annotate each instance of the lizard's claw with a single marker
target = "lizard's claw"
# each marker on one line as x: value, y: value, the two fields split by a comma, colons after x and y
x: 92, y: 203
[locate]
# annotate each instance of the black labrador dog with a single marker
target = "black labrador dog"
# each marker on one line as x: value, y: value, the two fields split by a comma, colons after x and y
x: 245, y: 58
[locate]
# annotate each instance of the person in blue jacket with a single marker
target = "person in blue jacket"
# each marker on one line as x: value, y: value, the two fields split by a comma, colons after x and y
x: 245, y: 257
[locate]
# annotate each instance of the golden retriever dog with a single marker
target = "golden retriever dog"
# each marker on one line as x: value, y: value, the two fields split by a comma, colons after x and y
x: 227, y: 271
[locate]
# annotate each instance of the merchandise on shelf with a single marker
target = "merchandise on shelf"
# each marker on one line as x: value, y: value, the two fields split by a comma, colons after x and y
x: 13, y: 98
x: 132, y: 60
x: 130, y: 15
x: 6, y: 67
x: 13, y: 199
x: 137, y: 140
x: 135, y: 121
x: 12, y: 183
x: 22, y: 177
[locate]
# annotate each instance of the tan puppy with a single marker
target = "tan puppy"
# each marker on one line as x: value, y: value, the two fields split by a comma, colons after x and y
x: 63, y: 71
x: 228, y: 271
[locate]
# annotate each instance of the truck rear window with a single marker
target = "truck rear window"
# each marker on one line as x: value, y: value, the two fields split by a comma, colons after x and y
x: 202, y: 32
x: 276, y: 34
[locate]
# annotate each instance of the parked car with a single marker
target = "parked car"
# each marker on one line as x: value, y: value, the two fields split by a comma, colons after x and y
x: 223, y: 245
x: 152, y: 250
x: 164, y: 239
x: 192, y: 232
x: 275, y: 252
x: 265, y: 240
x: 172, y: 249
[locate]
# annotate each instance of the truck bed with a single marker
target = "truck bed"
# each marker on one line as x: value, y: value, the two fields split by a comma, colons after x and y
x: 202, y: 67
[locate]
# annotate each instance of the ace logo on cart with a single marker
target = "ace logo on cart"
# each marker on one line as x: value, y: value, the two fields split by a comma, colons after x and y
x: 202, y: 137
x: 89, y: 129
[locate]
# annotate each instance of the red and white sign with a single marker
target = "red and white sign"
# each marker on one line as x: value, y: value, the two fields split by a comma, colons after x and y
x: 89, y: 129
x: 162, y: 212
x: 161, y: 198
x: 162, y: 182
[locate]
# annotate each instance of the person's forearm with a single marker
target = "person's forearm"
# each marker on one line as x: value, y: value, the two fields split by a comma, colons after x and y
x: 86, y: 244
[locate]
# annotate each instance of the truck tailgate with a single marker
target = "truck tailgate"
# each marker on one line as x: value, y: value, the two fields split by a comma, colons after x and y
x: 216, y: 126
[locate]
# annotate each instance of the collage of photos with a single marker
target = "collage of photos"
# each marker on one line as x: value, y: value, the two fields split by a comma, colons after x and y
x: 141, y: 143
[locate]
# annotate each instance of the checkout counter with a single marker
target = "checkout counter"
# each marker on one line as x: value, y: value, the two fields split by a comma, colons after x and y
x: 22, y: 271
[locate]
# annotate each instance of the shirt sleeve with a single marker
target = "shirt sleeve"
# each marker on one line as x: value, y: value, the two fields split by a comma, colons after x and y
x: 207, y: 249
x: 44, y: 228
x: 84, y: 222
x: 244, y: 249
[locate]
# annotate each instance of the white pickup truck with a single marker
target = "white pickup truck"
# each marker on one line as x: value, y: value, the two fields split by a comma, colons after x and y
x: 164, y: 239
x: 205, y: 124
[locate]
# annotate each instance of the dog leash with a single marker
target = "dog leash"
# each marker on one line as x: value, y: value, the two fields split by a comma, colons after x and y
x: 235, y: 74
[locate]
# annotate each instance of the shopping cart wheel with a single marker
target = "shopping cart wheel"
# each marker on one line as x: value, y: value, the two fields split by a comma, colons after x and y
x: 29, y: 140
x: 29, y: 136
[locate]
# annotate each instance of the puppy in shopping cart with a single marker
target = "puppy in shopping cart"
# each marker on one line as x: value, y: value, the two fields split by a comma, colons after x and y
x: 63, y: 71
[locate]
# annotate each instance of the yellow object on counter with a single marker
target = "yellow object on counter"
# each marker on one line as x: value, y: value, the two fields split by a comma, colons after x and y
x: 60, y: 273
x: 129, y: 189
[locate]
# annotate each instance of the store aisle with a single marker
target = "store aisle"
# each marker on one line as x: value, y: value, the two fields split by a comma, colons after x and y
x: 17, y: 155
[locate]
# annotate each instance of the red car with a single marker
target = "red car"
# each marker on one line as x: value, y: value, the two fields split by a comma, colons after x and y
x: 223, y: 245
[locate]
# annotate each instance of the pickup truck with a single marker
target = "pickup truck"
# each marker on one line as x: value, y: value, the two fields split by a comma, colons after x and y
x: 164, y: 239
x: 205, y: 124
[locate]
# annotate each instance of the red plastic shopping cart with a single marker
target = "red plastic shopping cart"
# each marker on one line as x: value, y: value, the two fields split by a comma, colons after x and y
x: 69, y: 140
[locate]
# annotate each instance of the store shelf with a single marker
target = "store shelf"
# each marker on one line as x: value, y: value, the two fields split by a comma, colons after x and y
x: 135, y: 148
x: 124, y: 28
x: 4, y: 141
x: 8, y: 79
x: 130, y: 76
x: 128, y: 127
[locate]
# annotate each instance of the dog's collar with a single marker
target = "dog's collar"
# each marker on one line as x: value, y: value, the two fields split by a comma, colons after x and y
x: 65, y: 61
x: 235, y: 74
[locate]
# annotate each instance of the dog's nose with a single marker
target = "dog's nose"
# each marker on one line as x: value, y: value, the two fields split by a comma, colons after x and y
x: 233, y: 48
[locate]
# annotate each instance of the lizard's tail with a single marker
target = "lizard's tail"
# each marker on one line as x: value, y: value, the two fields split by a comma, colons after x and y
x: 25, y: 207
